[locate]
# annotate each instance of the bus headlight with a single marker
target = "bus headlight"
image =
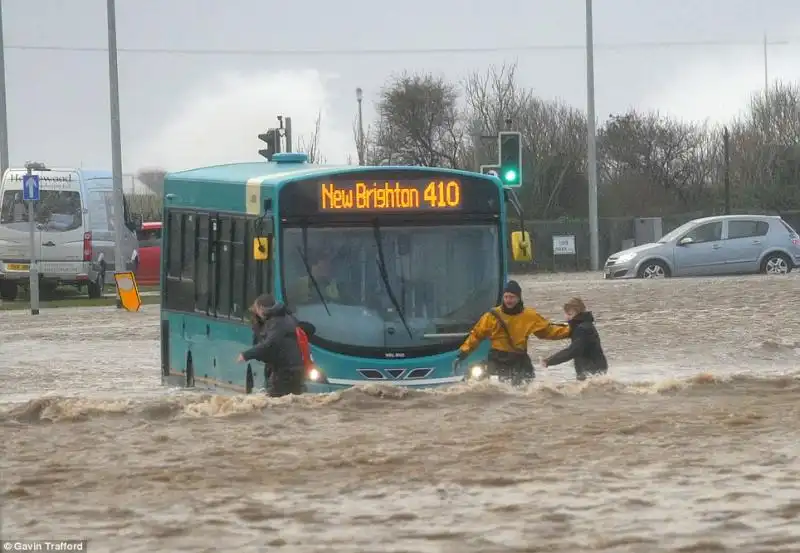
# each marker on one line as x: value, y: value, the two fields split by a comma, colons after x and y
x: 476, y: 372
x: 316, y: 375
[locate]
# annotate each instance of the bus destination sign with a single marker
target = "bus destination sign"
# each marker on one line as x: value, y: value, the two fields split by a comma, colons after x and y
x: 362, y: 195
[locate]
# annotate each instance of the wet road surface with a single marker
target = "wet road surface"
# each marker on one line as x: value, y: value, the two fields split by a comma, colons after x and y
x: 691, y: 443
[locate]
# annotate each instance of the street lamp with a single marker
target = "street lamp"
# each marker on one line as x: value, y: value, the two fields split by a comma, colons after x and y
x: 591, y: 142
x: 4, y: 163
x: 360, y: 145
x: 116, y: 140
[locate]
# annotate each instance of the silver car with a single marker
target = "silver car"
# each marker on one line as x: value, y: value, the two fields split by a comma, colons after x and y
x: 723, y: 245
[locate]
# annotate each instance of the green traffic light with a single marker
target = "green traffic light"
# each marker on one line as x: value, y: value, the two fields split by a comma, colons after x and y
x: 510, y: 175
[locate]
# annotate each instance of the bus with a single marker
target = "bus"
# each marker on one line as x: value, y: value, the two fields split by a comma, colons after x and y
x: 387, y: 269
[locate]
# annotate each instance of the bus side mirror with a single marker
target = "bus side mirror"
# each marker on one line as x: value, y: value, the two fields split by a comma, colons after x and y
x: 261, y: 248
x: 521, y: 246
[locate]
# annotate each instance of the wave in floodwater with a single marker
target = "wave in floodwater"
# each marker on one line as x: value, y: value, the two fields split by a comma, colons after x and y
x: 193, y: 404
x: 707, y: 463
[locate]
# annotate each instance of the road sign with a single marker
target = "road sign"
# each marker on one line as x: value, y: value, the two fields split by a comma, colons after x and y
x: 564, y: 245
x: 128, y: 291
x: 30, y: 188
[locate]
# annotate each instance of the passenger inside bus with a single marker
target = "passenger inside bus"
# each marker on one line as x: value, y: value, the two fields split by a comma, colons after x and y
x: 303, y: 290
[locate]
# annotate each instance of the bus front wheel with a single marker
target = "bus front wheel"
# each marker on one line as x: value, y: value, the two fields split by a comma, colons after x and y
x: 249, y: 381
x: 189, y: 372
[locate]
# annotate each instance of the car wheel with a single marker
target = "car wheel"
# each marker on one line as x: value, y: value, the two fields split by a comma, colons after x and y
x: 776, y: 264
x: 97, y: 288
x: 653, y: 269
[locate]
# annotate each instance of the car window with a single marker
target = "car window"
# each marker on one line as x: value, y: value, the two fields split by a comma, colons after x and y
x: 789, y: 228
x: 709, y: 232
x: 56, y: 210
x: 747, y: 229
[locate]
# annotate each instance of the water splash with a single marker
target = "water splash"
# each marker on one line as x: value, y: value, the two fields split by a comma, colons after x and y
x: 52, y: 408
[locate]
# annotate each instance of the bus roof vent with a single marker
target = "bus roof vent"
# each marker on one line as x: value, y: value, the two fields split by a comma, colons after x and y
x: 290, y: 157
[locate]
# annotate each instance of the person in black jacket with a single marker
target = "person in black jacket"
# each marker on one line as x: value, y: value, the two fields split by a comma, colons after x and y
x: 585, y: 349
x: 276, y: 346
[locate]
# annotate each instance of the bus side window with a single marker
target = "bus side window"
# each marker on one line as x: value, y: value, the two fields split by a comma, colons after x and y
x: 179, y: 288
x: 175, y: 250
x: 202, y: 265
x: 189, y: 250
x: 224, y: 267
x: 239, y: 269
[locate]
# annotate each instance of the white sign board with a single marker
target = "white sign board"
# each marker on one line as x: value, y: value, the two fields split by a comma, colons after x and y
x: 563, y: 245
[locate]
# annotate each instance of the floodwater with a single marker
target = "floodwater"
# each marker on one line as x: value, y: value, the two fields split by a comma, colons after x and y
x: 691, y: 443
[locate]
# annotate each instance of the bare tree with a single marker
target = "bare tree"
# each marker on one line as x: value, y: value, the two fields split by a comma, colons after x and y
x: 765, y: 160
x: 310, y: 144
x: 649, y: 164
x: 553, y: 147
x: 659, y: 153
x: 419, y: 123
x: 775, y: 116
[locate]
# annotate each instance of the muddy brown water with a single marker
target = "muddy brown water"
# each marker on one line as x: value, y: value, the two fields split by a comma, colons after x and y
x: 691, y: 443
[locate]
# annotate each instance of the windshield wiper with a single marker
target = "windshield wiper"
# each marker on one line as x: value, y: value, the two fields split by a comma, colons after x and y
x: 381, y: 261
x: 313, y: 280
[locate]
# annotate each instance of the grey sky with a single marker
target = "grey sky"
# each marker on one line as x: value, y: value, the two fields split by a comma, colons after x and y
x: 181, y: 110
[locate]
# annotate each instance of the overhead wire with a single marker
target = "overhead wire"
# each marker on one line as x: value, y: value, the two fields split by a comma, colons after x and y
x: 648, y: 45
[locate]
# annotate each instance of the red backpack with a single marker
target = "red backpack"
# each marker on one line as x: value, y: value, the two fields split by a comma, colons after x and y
x: 305, y: 348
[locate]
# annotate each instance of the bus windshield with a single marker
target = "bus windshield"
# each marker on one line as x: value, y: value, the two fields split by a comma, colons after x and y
x: 437, y: 282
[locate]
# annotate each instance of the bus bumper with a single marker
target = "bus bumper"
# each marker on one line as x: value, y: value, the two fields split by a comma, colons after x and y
x: 338, y: 384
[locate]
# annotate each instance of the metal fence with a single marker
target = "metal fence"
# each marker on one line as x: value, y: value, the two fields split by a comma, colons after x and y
x: 614, y: 233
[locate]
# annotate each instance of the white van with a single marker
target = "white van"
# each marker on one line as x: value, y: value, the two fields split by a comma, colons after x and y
x: 74, y: 239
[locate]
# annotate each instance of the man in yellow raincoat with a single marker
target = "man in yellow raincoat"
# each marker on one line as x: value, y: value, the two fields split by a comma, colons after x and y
x: 508, y: 327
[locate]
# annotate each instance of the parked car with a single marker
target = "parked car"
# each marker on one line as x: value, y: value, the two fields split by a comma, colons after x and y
x: 148, y: 271
x: 722, y: 245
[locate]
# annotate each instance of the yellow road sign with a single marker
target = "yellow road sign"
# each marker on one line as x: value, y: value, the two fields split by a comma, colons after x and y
x: 128, y: 291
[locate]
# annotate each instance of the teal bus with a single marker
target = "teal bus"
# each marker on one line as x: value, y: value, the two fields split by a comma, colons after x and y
x: 387, y: 268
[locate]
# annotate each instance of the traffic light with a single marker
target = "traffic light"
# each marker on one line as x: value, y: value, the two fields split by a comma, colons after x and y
x: 272, y: 139
x: 510, y: 146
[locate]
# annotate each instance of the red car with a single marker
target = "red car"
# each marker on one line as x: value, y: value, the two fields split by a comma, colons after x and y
x: 148, y: 271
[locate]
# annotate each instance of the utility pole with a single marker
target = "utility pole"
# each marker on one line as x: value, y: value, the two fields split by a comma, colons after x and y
x: 726, y: 141
x: 116, y: 139
x: 591, y: 142
x: 766, y: 67
x: 4, y: 162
